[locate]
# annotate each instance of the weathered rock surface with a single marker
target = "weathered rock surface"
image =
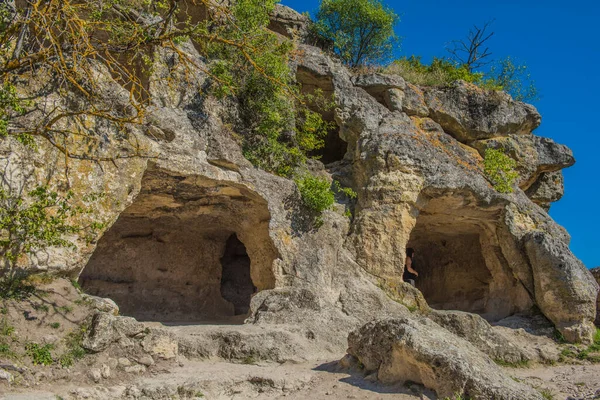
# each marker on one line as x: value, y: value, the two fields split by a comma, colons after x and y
x: 418, y: 350
x: 470, y: 113
x: 551, y: 264
x: 534, y: 155
x: 548, y: 188
x: 289, y: 22
x: 596, y: 274
x: 478, y: 332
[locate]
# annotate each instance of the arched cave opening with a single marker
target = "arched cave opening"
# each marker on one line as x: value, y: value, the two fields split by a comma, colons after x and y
x: 335, y: 147
x: 187, y: 250
x: 460, y: 261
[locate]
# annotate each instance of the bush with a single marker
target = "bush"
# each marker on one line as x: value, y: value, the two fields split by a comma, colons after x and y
x: 514, y: 79
x: 500, y: 170
x: 505, y: 76
x: 440, y: 72
x: 40, y: 355
x: 362, y: 31
x: 316, y: 193
x: 27, y: 226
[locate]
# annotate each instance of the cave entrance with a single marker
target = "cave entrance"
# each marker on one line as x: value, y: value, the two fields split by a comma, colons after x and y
x: 335, y: 147
x: 187, y: 250
x: 460, y: 262
x: 236, y: 282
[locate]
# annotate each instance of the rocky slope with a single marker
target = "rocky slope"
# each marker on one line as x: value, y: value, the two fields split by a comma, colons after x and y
x: 413, y: 155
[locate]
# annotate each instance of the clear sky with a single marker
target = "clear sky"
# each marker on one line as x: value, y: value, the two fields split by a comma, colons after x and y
x: 560, y: 42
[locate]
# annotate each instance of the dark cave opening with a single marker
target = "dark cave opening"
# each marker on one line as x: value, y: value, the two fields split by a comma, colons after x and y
x: 335, y: 147
x: 460, y: 261
x: 236, y: 282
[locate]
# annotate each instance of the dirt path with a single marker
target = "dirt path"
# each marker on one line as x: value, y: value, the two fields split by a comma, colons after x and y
x: 217, y: 380
x: 563, y: 381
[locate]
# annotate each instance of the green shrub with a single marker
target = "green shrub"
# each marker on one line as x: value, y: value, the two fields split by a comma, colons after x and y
x: 504, y: 75
x: 27, y: 226
x: 55, y: 325
x: 74, y: 344
x: 5, y: 328
x: 346, y: 191
x: 500, y: 170
x: 362, y: 31
x: 40, y: 355
x: 316, y: 192
x: 440, y: 72
x: 514, y: 79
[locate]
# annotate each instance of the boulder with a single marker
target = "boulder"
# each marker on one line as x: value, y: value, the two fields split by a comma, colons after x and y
x: 469, y: 113
x: 289, y: 22
x: 102, y: 304
x: 107, y: 329
x: 548, y: 188
x: 419, y: 350
x: 479, y: 333
x: 566, y: 305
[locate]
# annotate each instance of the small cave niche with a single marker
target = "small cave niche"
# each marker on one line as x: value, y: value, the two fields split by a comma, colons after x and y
x: 335, y: 147
x: 460, y: 262
x: 187, y: 250
x: 236, y: 282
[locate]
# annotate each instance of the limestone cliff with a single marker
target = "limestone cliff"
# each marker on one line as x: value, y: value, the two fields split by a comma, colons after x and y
x: 180, y: 219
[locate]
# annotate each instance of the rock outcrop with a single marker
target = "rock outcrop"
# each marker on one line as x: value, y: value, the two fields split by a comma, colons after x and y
x: 596, y: 273
x: 418, y: 350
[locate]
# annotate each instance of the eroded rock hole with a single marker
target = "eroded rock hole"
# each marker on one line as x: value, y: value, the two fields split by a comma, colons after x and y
x: 236, y: 282
x: 460, y: 262
x: 335, y: 147
x: 189, y: 249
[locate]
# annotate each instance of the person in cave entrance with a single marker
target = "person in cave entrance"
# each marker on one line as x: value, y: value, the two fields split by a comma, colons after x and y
x: 410, y: 274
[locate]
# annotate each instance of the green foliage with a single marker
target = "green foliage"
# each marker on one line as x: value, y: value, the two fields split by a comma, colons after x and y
x: 277, y: 129
x: 40, y: 222
x: 514, y: 79
x: 590, y: 353
x: 504, y: 75
x: 316, y: 192
x: 75, y: 350
x: 5, y: 328
x: 10, y: 107
x: 440, y: 72
x: 547, y: 394
x: 500, y: 170
x: 362, y: 31
x: 346, y: 191
x: 40, y: 355
x: 55, y: 325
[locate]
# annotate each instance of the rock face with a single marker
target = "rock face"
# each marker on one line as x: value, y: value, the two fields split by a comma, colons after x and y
x: 196, y: 234
x: 419, y: 350
x: 596, y: 273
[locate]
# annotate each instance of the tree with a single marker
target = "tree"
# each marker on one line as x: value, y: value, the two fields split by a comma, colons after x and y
x: 514, y: 79
x: 68, y: 39
x: 473, y: 52
x: 362, y: 31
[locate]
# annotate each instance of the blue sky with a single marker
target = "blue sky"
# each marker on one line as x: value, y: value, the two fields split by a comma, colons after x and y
x: 560, y: 43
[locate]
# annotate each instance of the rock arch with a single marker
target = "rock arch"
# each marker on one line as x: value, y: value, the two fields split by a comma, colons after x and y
x: 460, y: 261
x: 165, y: 256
